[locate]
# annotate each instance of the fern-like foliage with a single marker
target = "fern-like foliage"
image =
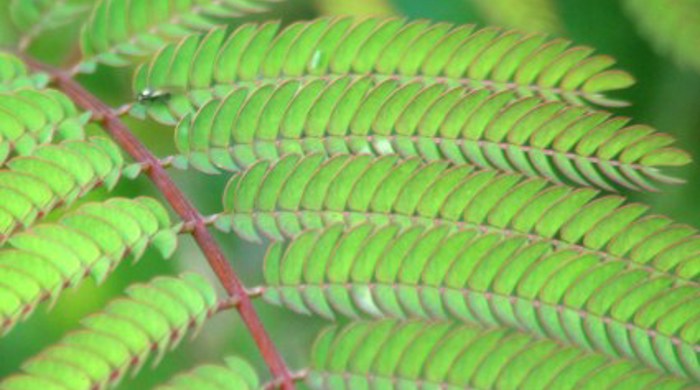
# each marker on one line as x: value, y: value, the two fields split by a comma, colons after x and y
x: 490, y: 280
x: 122, y: 31
x: 237, y: 374
x: 443, y: 180
x: 32, y: 17
x: 14, y: 74
x: 308, y: 193
x: 491, y: 130
x: 92, y: 240
x: 154, y: 317
x: 526, y: 15
x: 673, y: 27
x: 31, y: 186
x: 31, y: 118
x: 389, y: 355
x: 211, y: 65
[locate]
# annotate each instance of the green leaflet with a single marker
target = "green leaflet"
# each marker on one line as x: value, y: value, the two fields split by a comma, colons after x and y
x: 30, y: 118
x: 236, y: 374
x: 54, y: 175
x: 672, y: 27
x: 491, y: 280
x: 120, y: 31
x: 14, y: 74
x: 91, y: 240
x: 527, y: 15
x: 491, y: 130
x: 122, y: 335
x: 390, y: 355
x: 210, y: 65
x: 32, y: 17
x: 308, y: 193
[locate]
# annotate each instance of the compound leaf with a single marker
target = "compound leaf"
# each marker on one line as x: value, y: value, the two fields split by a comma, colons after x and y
x: 14, y: 74
x: 436, y: 123
x: 52, y: 176
x: 119, y: 32
x: 490, y: 280
x: 30, y: 118
x: 392, y: 355
x: 296, y: 193
x: 381, y: 49
x: 153, y: 317
x: 38, y: 264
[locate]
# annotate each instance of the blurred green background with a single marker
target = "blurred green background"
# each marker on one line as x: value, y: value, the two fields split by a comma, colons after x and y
x: 667, y: 96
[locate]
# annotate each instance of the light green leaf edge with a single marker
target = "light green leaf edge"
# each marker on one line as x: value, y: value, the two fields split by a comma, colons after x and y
x: 298, y: 193
x: 39, y: 263
x: 54, y: 175
x: 154, y: 317
x: 201, y: 67
x: 392, y: 355
x: 30, y: 118
x: 491, y: 130
x: 486, y: 279
x: 121, y: 32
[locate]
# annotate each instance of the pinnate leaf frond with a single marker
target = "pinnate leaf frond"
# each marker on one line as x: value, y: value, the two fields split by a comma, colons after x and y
x: 30, y: 118
x: 491, y: 130
x: 298, y: 193
x: 444, y: 181
x: 54, y: 175
x: 493, y: 281
x: 14, y: 74
x: 38, y: 264
x: 154, y: 317
x: 394, y: 355
x: 206, y: 66
x: 119, y: 32
x: 235, y: 374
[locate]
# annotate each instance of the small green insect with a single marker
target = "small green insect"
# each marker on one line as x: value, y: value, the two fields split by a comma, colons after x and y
x: 151, y: 95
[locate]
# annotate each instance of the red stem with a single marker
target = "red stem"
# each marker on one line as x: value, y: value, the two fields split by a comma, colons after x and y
x: 182, y: 206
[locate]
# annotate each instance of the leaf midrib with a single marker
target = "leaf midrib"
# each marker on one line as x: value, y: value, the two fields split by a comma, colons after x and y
x: 469, y: 83
x: 488, y: 295
x: 462, y: 225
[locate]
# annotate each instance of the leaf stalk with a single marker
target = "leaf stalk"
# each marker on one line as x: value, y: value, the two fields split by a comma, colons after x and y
x: 182, y: 206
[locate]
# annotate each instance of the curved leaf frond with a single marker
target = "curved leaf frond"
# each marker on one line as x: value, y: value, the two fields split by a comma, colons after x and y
x: 119, y: 32
x: 154, y: 317
x: 308, y: 193
x: 29, y: 118
x: 673, y: 27
x: 493, y: 281
x: 206, y: 66
x: 390, y: 355
x: 491, y: 130
x: 237, y: 374
x: 14, y: 74
x: 38, y: 264
x: 53, y: 175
